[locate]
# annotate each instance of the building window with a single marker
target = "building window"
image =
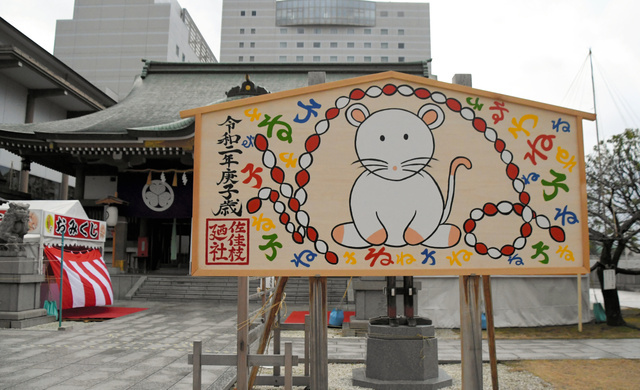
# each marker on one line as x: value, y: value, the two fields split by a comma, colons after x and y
x: 384, y: 14
x: 333, y: 45
x: 400, y: 45
x: 240, y: 58
x: 254, y: 13
x: 242, y: 13
x: 252, y: 44
x: 334, y: 31
x: 316, y: 58
x: 384, y: 31
x: 283, y: 45
x: 333, y: 58
x: 401, y: 31
x: 351, y: 59
x: 242, y: 31
x: 400, y: 59
x: 241, y: 44
x: 351, y: 31
x: 299, y: 58
x: 300, y: 30
x: 283, y: 58
x: 283, y: 31
x: 351, y: 45
x: 367, y: 45
x: 367, y: 58
x: 384, y: 59
x: 401, y: 14
x: 183, y: 57
x: 300, y: 44
x: 317, y: 31
x: 253, y: 31
x: 384, y: 45
x: 177, y: 50
x: 316, y: 44
x: 252, y: 59
x: 367, y: 31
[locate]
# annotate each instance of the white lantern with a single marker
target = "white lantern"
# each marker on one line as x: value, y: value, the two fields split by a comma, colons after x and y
x: 111, y: 216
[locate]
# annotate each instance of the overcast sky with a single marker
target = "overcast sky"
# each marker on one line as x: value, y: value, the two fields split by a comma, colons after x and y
x: 532, y: 50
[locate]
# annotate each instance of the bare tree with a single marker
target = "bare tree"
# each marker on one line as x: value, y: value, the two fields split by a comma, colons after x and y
x: 613, y: 193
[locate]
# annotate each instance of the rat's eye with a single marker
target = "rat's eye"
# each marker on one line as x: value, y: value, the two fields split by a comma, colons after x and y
x: 382, y: 138
x: 406, y: 136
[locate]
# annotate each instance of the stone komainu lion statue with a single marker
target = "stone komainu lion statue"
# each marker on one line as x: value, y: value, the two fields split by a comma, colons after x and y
x: 15, y: 224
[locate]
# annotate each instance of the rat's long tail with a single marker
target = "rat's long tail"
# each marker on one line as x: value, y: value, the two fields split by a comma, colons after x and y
x: 452, y: 184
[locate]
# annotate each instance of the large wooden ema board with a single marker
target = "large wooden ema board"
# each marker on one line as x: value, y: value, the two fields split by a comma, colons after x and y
x: 388, y: 174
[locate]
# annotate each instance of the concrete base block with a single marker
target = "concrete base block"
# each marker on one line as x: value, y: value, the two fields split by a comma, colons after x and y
x: 24, y: 319
x: 442, y: 380
x: 16, y: 263
x: 19, y: 296
x: 27, y: 323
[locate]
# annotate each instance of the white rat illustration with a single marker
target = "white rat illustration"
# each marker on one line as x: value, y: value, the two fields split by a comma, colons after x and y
x: 395, y: 202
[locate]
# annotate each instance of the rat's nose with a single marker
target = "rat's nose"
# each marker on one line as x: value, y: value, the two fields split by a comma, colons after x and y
x: 395, y: 168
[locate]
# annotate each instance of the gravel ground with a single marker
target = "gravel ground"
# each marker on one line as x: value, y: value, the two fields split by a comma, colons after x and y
x: 509, y: 379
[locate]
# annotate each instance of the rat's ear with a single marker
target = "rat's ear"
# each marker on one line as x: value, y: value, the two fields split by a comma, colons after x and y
x: 432, y: 115
x: 356, y: 114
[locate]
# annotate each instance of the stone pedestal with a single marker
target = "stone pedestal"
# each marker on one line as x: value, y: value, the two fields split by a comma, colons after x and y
x: 20, y: 280
x: 402, y: 358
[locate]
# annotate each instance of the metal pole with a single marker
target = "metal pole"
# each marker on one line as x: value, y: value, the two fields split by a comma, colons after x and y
x: 61, y: 279
x: 593, y: 89
x: 392, y: 310
x: 409, y: 311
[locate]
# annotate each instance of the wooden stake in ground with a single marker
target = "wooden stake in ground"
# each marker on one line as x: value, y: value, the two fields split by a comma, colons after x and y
x: 277, y: 297
x: 491, y: 332
x: 470, y: 332
x: 243, y: 333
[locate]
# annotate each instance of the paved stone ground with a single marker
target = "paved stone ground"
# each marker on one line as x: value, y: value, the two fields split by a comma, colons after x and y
x: 148, y: 349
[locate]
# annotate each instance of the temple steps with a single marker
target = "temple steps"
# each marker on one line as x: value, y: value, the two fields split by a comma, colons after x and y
x: 225, y: 289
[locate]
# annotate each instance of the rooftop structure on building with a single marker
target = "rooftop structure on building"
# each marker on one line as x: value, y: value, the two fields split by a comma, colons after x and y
x: 286, y: 31
x: 107, y: 39
x: 37, y: 87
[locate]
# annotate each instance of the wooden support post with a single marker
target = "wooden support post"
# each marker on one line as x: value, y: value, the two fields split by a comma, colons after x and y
x: 307, y: 345
x: 470, y: 332
x: 197, y: 365
x: 491, y: 333
x: 319, y: 349
x: 579, y: 303
x: 243, y: 334
x: 276, y: 347
x: 266, y: 331
x: 288, y: 366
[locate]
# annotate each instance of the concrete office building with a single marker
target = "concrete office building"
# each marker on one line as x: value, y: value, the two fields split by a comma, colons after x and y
x: 106, y: 40
x: 324, y: 31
